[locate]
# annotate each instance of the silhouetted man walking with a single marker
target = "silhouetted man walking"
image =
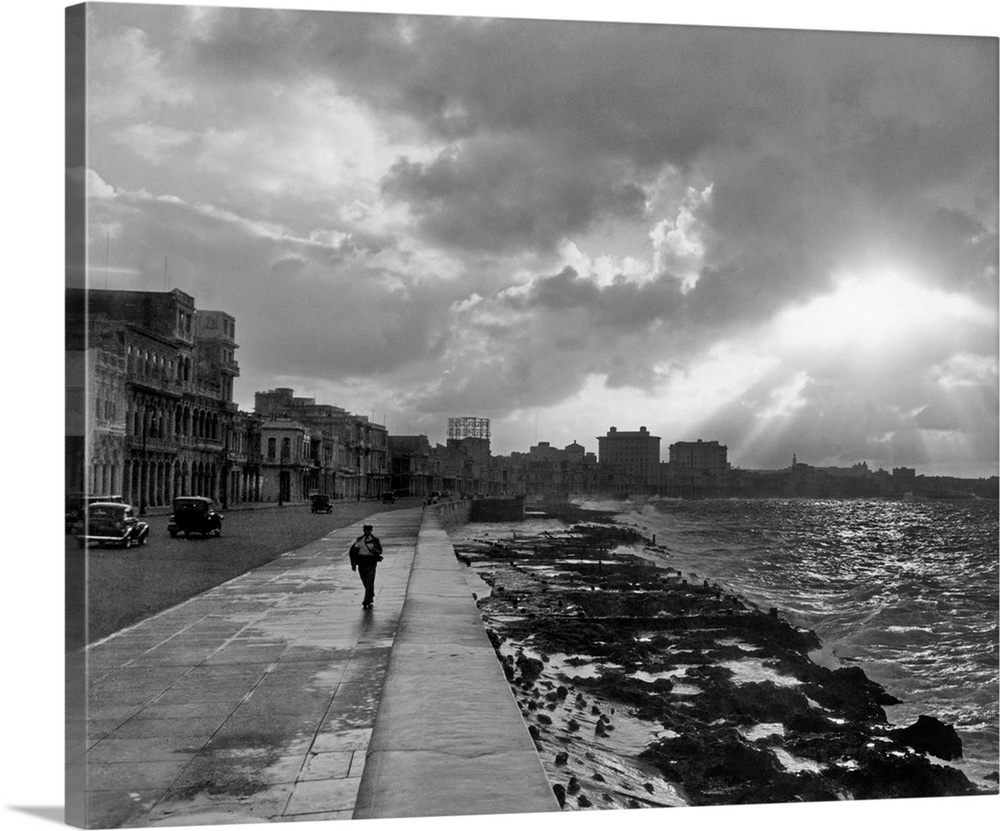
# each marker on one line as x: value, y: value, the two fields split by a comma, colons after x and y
x: 366, y: 554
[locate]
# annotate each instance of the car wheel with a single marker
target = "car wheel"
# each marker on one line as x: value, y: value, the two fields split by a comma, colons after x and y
x: 217, y: 532
x: 173, y: 533
x: 127, y: 543
x: 187, y: 534
x: 143, y: 538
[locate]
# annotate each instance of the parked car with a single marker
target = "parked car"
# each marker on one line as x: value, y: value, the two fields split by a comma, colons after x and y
x: 388, y: 497
x: 76, y: 504
x: 194, y: 515
x: 321, y: 502
x: 113, y: 523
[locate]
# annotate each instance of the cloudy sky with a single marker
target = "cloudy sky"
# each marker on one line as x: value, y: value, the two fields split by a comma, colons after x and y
x: 785, y: 241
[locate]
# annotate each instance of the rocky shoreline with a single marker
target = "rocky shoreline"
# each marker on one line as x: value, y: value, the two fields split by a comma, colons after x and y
x: 645, y: 688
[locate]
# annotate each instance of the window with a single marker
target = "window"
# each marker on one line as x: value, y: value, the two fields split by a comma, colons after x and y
x: 272, y: 445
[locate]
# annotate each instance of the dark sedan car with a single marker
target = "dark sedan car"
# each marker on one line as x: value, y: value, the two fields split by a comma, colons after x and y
x: 113, y: 523
x: 321, y: 502
x: 194, y: 515
x: 76, y: 506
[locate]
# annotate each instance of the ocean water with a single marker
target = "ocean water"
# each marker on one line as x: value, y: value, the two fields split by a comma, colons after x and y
x: 906, y: 590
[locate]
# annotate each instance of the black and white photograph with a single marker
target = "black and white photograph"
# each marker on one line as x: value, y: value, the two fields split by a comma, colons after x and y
x: 524, y: 414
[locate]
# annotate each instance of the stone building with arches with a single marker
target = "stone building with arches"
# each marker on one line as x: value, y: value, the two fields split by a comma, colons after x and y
x: 154, y: 386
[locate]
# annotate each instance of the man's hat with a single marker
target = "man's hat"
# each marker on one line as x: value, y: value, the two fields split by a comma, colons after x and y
x: 367, y: 527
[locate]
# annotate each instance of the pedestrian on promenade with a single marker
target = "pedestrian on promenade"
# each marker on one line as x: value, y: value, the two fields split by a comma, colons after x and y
x: 366, y: 554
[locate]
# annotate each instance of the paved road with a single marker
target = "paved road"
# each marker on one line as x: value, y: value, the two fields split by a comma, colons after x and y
x: 110, y: 589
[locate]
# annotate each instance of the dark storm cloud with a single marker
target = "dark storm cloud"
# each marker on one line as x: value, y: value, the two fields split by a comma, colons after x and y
x: 503, y: 195
x: 622, y: 305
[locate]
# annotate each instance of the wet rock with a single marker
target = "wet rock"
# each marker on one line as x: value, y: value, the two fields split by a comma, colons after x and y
x: 530, y: 668
x: 928, y: 735
x: 881, y: 777
x: 572, y: 725
x: 573, y: 786
x: 544, y: 719
x: 583, y: 802
x: 811, y: 721
x: 760, y: 702
x: 562, y: 758
x: 560, y: 792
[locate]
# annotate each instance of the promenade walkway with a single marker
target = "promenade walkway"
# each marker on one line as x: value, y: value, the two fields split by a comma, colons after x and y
x: 276, y: 697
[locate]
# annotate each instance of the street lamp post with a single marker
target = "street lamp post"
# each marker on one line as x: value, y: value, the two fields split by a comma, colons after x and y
x: 362, y: 451
x: 281, y: 475
x: 225, y: 468
x: 143, y: 473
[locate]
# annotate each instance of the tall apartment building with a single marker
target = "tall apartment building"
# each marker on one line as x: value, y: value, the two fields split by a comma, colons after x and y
x: 708, y: 456
x: 157, y: 400
x: 697, y: 467
x: 634, y: 456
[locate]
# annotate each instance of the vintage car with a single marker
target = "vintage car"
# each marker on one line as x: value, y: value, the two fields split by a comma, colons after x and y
x: 113, y: 523
x: 321, y: 502
x: 76, y: 504
x: 194, y: 515
x: 388, y: 496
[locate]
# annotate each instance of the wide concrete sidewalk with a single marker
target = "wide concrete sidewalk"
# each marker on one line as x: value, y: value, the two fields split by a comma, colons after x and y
x: 258, y: 699
x: 449, y: 738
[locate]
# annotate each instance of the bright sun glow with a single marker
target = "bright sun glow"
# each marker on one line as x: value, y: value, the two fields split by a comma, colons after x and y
x: 871, y: 313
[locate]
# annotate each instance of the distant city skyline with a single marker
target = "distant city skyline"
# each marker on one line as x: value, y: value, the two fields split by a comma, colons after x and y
x: 784, y: 241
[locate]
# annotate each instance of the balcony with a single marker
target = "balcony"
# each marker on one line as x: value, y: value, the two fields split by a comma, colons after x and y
x: 155, y: 444
x: 165, y: 386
